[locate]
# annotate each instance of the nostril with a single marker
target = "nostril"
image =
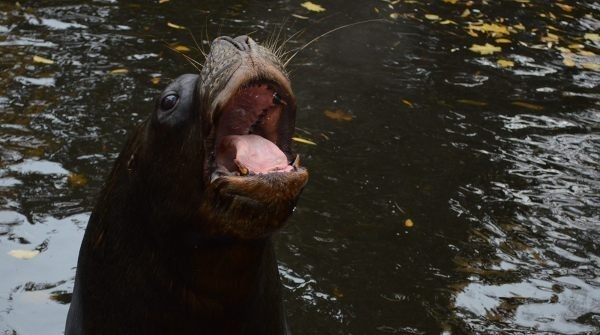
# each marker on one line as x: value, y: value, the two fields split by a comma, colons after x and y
x: 240, y: 42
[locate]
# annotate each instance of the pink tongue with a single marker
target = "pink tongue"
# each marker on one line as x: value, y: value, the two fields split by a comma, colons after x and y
x: 256, y: 153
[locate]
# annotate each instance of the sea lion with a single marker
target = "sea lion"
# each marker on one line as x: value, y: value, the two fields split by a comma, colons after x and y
x: 180, y: 240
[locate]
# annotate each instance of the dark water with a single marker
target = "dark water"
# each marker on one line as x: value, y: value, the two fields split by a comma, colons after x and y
x: 496, y: 167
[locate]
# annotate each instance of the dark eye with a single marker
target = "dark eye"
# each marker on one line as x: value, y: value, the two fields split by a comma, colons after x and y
x: 168, y: 102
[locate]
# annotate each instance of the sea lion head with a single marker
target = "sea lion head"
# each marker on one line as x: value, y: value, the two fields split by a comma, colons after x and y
x: 215, y: 158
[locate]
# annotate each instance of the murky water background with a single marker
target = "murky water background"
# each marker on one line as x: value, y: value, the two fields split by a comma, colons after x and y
x: 496, y: 166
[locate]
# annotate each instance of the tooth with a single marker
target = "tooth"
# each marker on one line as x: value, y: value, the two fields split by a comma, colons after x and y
x: 243, y: 170
x: 296, y: 163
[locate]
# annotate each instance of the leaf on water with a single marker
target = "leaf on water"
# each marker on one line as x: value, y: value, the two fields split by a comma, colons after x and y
x: 432, y: 17
x: 472, y: 102
x: 486, y: 49
x: 490, y: 28
x: 503, y: 40
x: 300, y: 17
x: 408, y: 103
x: 23, y: 254
x: 163, y: 1
x: 576, y: 46
x: 181, y: 48
x: 38, y: 59
x: 155, y: 80
x: 519, y: 26
x: 505, y: 63
x: 472, y: 33
x: 338, y: 293
x: 565, y: 7
x: 303, y: 140
x: 174, y: 26
x: 591, y: 66
x: 451, y: 1
x: 394, y: 16
x: 338, y: 115
x: 586, y: 53
x: 77, y: 180
x: 466, y: 13
x: 568, y: 61
x: 592, y: 36
x: 550, y: 38
x: 119, y: 71
x: 527, y: 105
x: 408, y: 223
x: 313, y: 7
x: 448, y: 22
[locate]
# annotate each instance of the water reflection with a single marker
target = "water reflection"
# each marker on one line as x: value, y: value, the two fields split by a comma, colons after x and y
x: 495, y: 163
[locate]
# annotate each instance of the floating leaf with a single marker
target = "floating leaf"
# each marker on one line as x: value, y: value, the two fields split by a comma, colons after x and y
x: 313, y: 7
x: 119, y: 71
x: 432, y: 17
x: 490, y: 28
x: 503, y: 40
x: 451, y: 1
x: 472, y: 102
x: 38, y: 59
x: 576, y: 46
x: 155, y: 80
x: 448, y: 22
x: 408, y: 223
x: 519, y: 26
x: 565, y: 7
x: 466, y: 13
x: 303, y: 140
x: 591, y: 66
x: 23, y: 254
x: 181, y: 48
x: 550, y: 38
x: 338, y: 115
x: 486, y: 49
x: 163, y: 1
x: 586, y: 53
x: 592, y: 36
x: 174, y: 26
x: 568, y: 61
x: 77, y: 180
x: 527, y: 105
x: 506, y: 63
x: 408, y: 103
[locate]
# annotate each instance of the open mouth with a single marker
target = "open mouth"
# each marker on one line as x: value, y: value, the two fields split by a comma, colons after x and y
x: 253, y: 132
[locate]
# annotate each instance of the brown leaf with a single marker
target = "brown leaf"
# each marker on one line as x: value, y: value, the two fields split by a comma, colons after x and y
x: 77, y: 180
x: 527, y: 105
x: 338, y: 115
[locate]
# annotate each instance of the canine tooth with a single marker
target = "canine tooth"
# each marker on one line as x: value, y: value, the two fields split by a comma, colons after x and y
x: 296, y: 163
x: 243, y: 170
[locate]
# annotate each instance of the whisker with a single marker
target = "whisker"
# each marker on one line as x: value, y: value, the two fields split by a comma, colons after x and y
x: 190, y: 60
x: 327, y: 33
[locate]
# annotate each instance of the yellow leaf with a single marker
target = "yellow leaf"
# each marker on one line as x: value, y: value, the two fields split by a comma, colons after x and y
x: 174, y: 26
x: 118, y: 71
x: 448, y: 22
x: 592, y: 36
x: 490, y: 28
x: 304, y: 141
x: 576, y: 46
x: 313, y: 7
x: 77, y: 180
x: 591, y: 66
x: 527, y: 105
x: 23, y: 254
x: 506, y: 63
x: 394, y: 16
x: 338, y: 115
x: 472, y: 102
x: 503, y: 40
x: 38, y: 59
x: 181, y: 48
x: 163, y: 1
x: 408, y: 103
x: 568, y: 61
x: 486, y: 49
x: 586, y: 53
x: 519, y: 26
x: 408, y: 223
x: 550, y: 38
x: 155, y: 80
x: 472, y: 33
x: 432, y: 17
x: 451, y: 1
x: 564, y: 7
x: 466, y: 13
